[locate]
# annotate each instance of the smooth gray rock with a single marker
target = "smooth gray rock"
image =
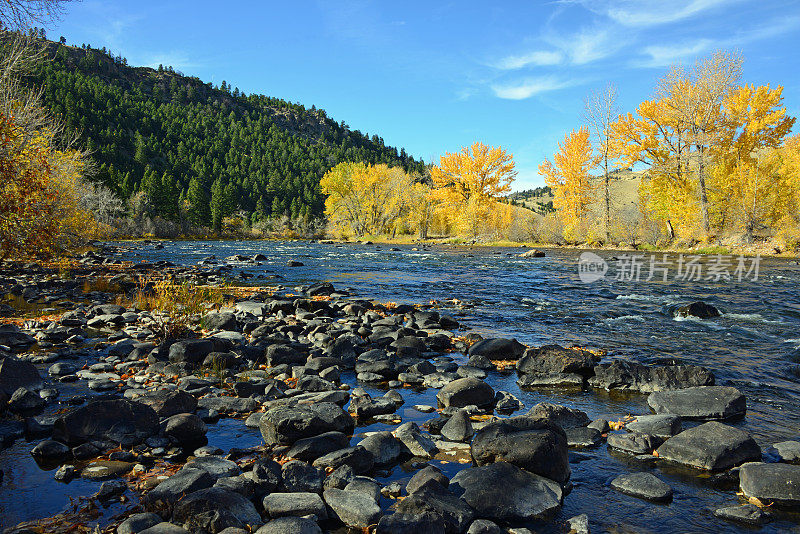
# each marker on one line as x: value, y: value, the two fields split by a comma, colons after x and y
x: 633, y: 442
x: 458, y: 427
x: 465, y: 392
x: 504, y: 492
x: 138, y: 522
x: 712, y: 446
x: 384, y: 447
x: 290, y: 525
x: 661, y: 425
x: 700, y: 403
x: 789, y: 451
x: 295, y: 504
x: 536, y: 445
x: 165, y: 528
x: 215, y: 466
x: 417, y: 443
x: 644, y: 486
x: 353, y: 508
x: 749, y: 514
x: 215, y: 509
x: 771, y: 483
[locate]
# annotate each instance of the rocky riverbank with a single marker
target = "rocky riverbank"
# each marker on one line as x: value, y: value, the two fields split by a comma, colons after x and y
x: 292, y: 364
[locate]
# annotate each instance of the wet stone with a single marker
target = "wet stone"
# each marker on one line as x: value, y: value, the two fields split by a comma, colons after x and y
x: 644, y: 486
x: 748, y: 514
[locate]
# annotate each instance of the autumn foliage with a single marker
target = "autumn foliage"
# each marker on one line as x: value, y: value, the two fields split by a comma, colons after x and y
x: 715, y: 153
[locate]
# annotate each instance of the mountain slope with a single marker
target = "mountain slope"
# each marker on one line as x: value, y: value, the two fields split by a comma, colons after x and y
x: 198, y: 151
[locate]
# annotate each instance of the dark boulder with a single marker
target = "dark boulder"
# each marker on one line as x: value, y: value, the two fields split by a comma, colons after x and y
x: 702, y: 403
x: 311, y: 448
x: 504, y: 492
x: 553, y: 359
x: 625, y: 375
x: 358, y: 458
x: 498, y: 349
x: 283, y: 354
x: 712, y: 446
x: 644, y: 486
x: 535, y: 445
x: 190, y: 351
x: 286, y: 424
x: 163, y: 497
x: 699, y: 309
x: 119, y: 420
x: 167, y: 403
x: 215, y: 509
x: 771, y: 483
x: 435, y: 501
x: 466, y: 391
x: 15, y: 374
x: 220, y: 321
x: 563, y: 416
x: 186, y: 430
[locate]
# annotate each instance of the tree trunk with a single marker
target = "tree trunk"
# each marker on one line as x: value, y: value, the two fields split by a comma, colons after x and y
x: 608, y: 203
x: 703, y: 195
x: 670, y: 230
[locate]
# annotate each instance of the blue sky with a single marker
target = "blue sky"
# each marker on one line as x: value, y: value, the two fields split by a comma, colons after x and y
x: 434, y: 76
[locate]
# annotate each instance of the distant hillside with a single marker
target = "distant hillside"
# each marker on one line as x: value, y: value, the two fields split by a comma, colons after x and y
x: 624, y: 192
x: 188, y: 143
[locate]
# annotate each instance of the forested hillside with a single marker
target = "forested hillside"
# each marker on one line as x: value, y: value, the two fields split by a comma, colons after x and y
x: 199, y: 152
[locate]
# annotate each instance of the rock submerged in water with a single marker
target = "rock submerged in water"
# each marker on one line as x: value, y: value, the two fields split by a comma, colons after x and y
x: 700, y: 403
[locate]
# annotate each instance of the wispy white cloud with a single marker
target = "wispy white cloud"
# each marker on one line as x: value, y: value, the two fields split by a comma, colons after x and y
x: 663, y: 56
x: 639, y: 13
x: 529, y: 87
x: 656, y: 56
x: 535, y: 58
x: 646, y: 13
x: 587, y: 45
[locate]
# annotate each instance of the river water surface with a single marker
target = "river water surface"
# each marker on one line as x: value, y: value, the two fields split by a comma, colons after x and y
x: 754, y: 346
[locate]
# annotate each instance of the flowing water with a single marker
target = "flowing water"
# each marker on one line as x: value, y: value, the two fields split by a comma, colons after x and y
x: 754, y: 345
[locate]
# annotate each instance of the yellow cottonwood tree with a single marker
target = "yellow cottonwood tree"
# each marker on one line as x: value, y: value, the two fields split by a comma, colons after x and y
x: 568, y: 176
x: 467, y: 183
x: 746, y: 182
x: 365, y: 198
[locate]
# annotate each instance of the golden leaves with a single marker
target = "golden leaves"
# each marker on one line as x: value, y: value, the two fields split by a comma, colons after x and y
x: 568, y: 176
